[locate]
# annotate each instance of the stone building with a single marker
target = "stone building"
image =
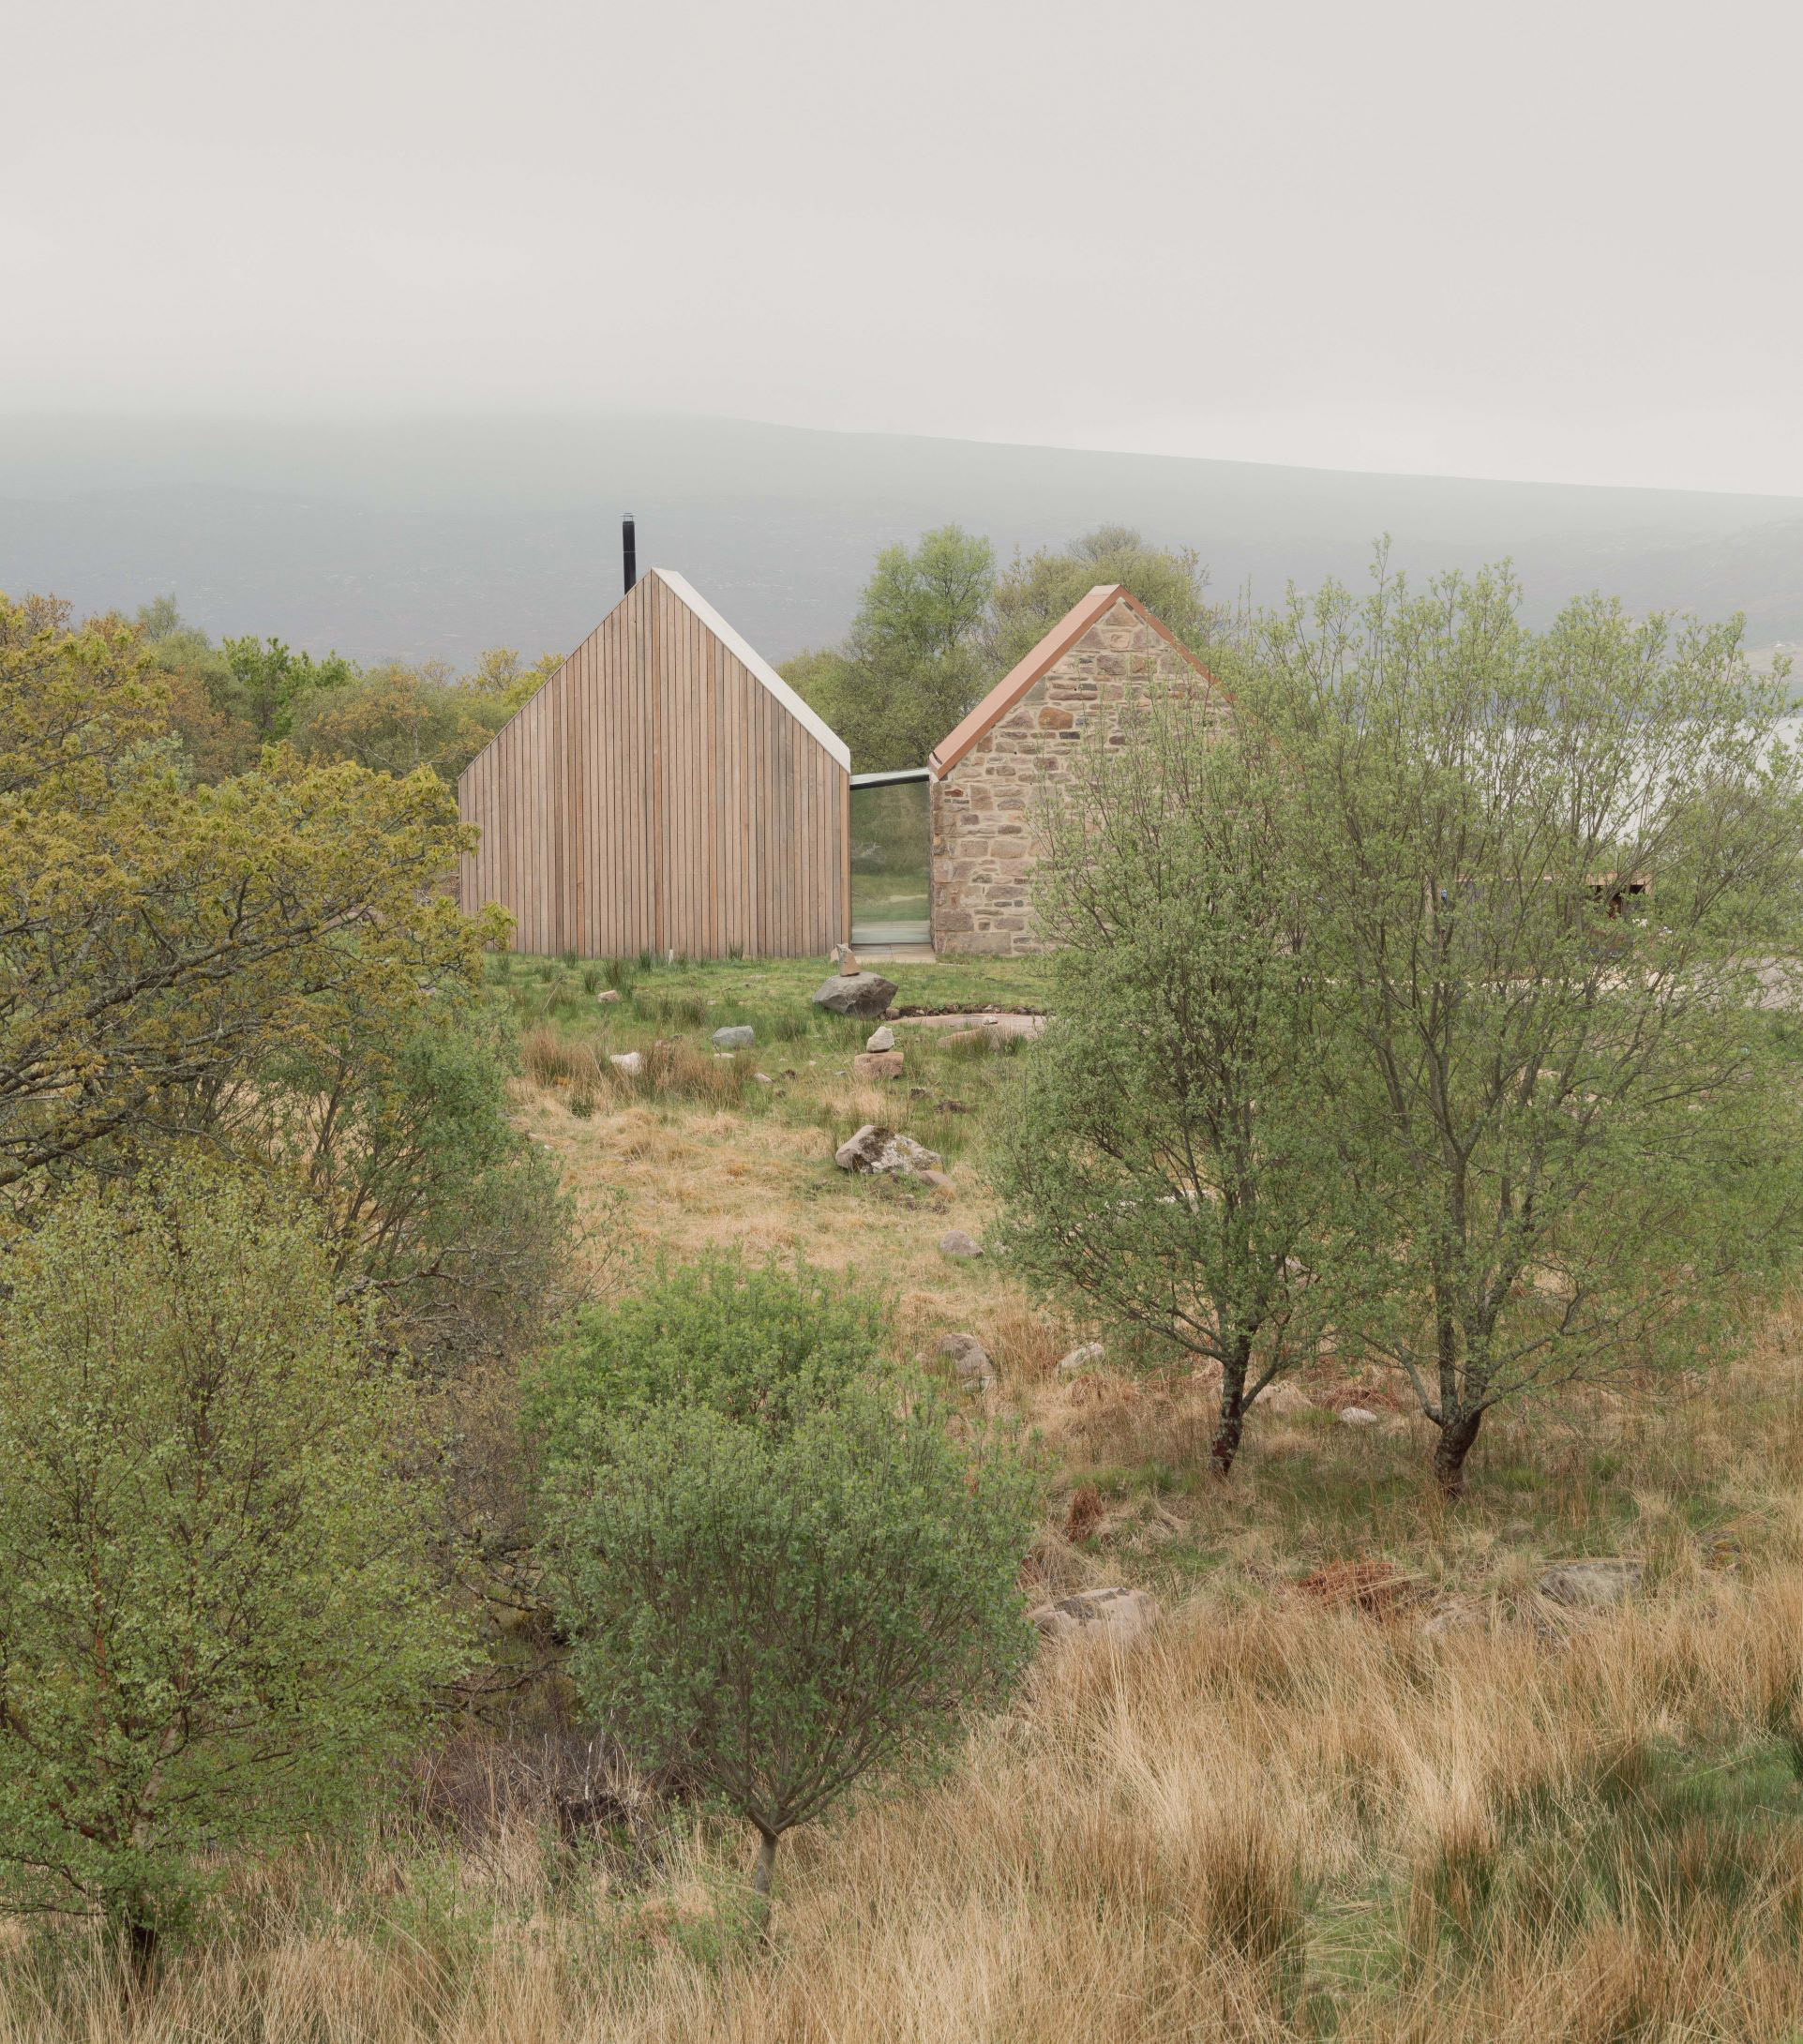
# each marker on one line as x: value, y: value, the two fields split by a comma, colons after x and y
x: 1022, y: 739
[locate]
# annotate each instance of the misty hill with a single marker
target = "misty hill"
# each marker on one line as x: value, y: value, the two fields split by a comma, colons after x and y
x: 438, y: 536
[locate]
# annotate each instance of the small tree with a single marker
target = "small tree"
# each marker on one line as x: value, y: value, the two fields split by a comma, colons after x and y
x: 1033, y: 593
x: 1171, y: 1155
x: 1553, y: 879
x: 785, y: 1612
x: 776, y: 1571
x: 214, y: 1618
x: 913, y: 664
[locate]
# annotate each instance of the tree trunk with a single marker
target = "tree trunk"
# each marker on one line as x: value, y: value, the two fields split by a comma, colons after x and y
x: 1232, y: 1421
x: 1454, y: 1445
x: 141, y: 1950
x: 760, y: 1880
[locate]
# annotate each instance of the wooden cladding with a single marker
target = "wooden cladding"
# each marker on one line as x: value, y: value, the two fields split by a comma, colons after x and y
x: 657, y: 795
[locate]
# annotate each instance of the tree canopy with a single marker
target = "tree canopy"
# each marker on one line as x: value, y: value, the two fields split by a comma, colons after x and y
x: 216, y: 1617
x: 936, y: 628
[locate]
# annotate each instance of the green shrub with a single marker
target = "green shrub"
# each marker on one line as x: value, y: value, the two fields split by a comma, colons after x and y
x: 783, y: 1610
x: 214, y: 1618
x: 749, y: 1341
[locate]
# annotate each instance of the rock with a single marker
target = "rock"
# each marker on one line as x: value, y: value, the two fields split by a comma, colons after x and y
x: 1120, y: 1614
x: 844, y: 960
x: 936, y: 1180
x: 763, y: 1078
x: 865, y: 994
x: 740, y: 1036
x: 952, y: 1106
x: 608, y: 992
x: 883, y: 1039
x: 1357, y: 1416
x: 877, y: 1064
x: 630, y: 1062
x: 1590, y: 1584
x: 917, y: 1092
x: 969, y: 1359
x: 955, y: 1243
x: 877, y: 1150
x: 1281, y: 1397
x: 1088, y: 1357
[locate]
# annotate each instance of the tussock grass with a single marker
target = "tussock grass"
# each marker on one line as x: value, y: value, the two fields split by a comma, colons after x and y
x: 1361, y: 1784
x: 1286, y: 1823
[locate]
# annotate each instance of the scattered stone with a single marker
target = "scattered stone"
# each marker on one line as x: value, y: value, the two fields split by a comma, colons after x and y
x: 789, y: 1070
x: 864, y: 994
x: 1281, y: 1397
x: 1121, y: 1614
x: 936, y: 1180
x: 955, y: 1243
x: 952, y: 1106
x: 740, y: 1036
x: 632, y: 1062
x: 608, y: 992
x: 763, y: 1078
x: 877, y: 1150
x: 917, y: 1092
x: 883, y: 1039
x: 1590, y: 1584
x: 969, y: 1359
x: 1357, y: 1416
x: 1088, y: 1357
x: 877, y: 1064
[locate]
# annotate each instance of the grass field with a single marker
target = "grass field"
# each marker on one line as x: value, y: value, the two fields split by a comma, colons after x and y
x: 1361, y: 1782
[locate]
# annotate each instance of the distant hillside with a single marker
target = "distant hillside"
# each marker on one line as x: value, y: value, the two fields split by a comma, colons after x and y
x: 439, y: 537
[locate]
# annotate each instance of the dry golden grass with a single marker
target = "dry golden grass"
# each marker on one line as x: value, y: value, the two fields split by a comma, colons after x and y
x: 1360, y: 1784
x: 1276, y: 1823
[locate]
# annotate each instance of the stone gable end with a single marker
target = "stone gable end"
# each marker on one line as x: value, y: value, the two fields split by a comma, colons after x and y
x: 984, y: 837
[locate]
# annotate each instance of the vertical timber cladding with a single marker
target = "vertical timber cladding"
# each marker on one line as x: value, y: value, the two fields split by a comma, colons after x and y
x: 665, y: 790
x: 1021, y: 740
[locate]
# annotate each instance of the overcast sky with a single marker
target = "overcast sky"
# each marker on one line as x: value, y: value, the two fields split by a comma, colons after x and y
x: 1537, y: 241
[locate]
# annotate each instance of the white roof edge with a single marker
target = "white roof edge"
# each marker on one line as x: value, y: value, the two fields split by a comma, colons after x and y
x: 741, y: 648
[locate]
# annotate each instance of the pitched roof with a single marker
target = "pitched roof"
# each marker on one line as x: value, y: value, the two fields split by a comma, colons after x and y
x: 1037, y: 664
x: 742, y: 650
x: 755, y: 664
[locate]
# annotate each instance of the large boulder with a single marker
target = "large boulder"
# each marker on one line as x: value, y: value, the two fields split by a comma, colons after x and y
x: 959, y: 1246
x: 877, y: 1150
x: 865, y: 994
x: 1117, y: 1614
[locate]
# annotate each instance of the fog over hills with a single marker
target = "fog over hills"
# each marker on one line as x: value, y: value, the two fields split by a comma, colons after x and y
x: 438, y: 536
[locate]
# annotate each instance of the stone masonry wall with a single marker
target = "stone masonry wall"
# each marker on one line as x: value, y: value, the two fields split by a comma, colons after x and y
x: 985, y: 841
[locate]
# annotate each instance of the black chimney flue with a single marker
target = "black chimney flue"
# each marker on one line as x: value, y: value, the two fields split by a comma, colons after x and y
x: 628, y: 551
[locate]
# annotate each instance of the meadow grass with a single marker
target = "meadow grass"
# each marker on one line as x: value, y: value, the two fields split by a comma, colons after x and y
x: 1363, y: 1781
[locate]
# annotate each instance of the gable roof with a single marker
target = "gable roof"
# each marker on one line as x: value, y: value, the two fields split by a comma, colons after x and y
x: 755, y: 664
x: 1037, y: 664
x: 742, y: 650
